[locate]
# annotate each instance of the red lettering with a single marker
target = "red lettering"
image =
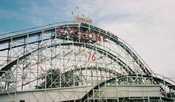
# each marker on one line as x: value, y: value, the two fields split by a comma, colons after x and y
x: 92, y: 57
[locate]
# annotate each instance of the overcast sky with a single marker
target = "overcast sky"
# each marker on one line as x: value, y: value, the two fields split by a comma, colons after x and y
x: 147, y: 25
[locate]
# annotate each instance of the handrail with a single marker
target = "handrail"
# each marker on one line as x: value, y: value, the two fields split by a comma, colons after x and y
x: 36, y: 28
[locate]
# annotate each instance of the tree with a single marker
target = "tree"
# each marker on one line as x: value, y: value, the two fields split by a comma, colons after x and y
x: 54, y: 78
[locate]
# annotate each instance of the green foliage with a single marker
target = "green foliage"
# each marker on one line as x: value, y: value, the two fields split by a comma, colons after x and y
x: 54, y: 78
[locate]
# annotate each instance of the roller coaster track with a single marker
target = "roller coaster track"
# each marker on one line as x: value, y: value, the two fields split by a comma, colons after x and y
x: 158, y: 80
x: 115, y: 73
x: 111, y: 56
x: 89, y: 45
x: 83, y: 43
x: 107, y: 35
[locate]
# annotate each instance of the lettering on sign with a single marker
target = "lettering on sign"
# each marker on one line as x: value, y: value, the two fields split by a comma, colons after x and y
x: 92, y: 56
x: 75, y: 34
x: 83, y: 19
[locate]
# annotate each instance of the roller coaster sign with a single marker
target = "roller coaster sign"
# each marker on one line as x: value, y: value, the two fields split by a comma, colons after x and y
x: 83, y: 19
x: 76, y: 35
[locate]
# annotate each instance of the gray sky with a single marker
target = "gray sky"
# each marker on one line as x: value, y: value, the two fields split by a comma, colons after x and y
x: 147, y: 25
